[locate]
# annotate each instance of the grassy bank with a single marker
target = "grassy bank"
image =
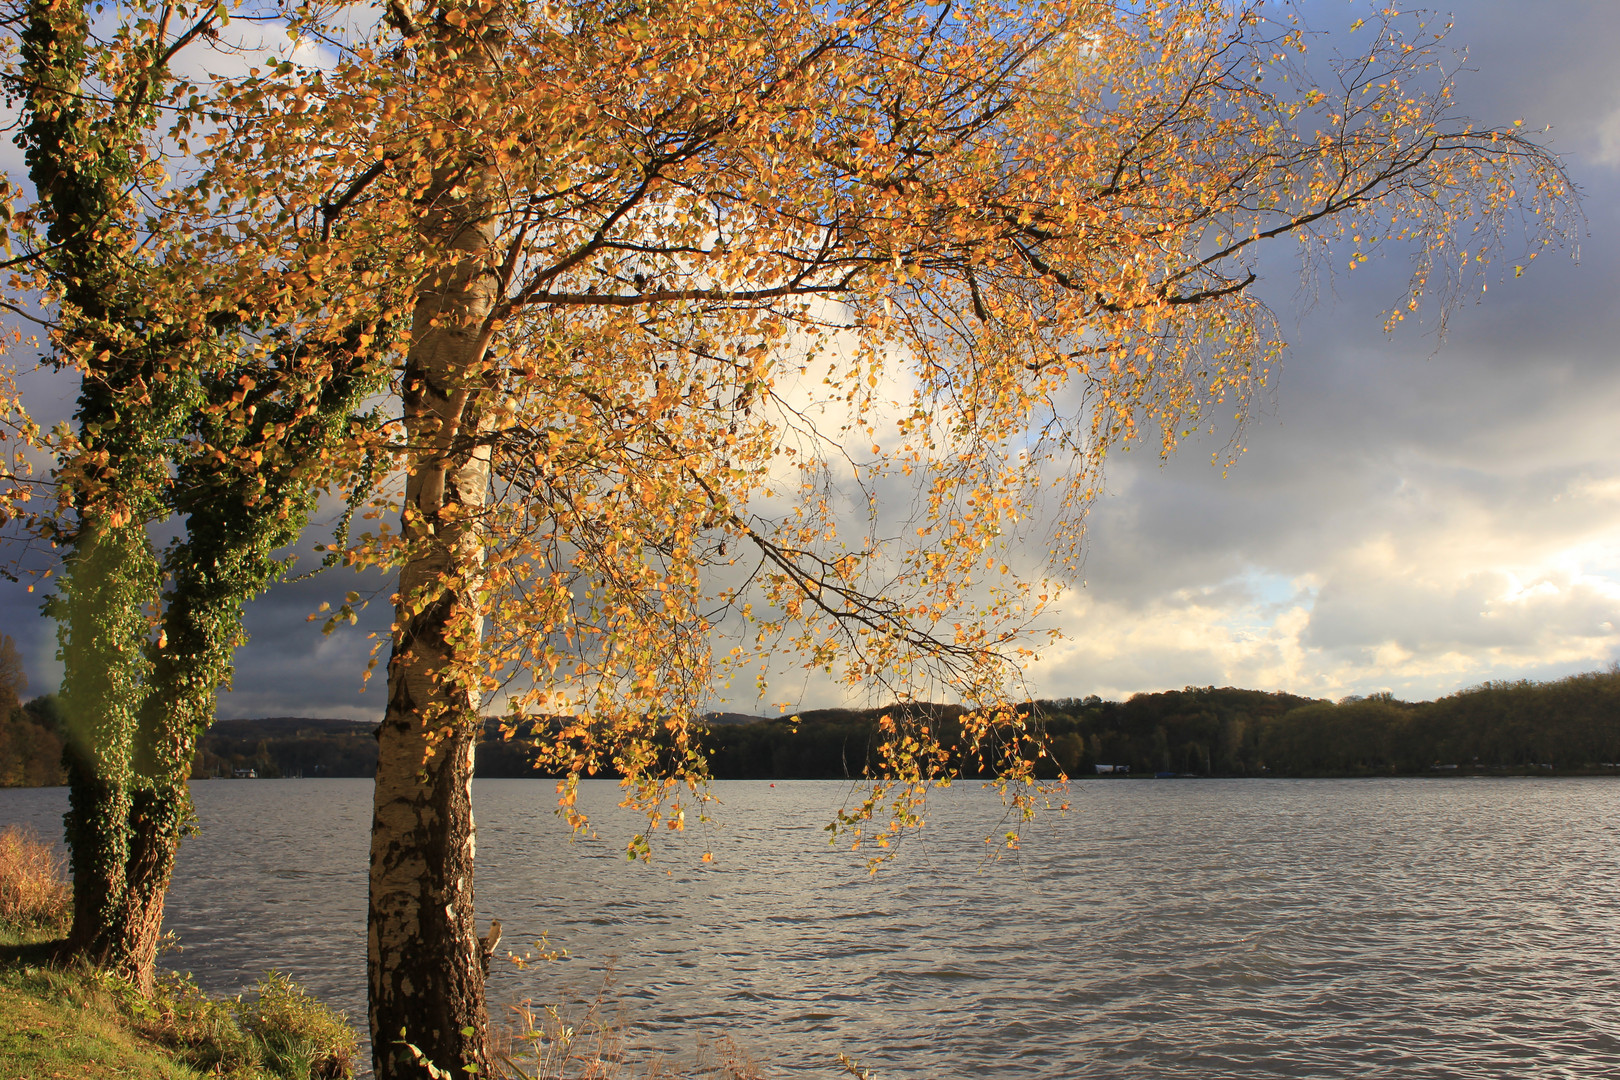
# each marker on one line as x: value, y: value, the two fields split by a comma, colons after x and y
x: 55, y: 1026
x: 60, y: 1020
x: 68, y: 1020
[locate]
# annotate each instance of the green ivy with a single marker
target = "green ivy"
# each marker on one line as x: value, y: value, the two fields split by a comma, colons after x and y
x: 110, y: 576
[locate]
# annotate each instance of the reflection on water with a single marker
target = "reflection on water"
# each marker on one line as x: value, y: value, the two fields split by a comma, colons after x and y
x: 1187, y: 929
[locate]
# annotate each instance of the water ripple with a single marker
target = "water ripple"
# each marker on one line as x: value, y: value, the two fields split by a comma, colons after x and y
x: 1165, y: 931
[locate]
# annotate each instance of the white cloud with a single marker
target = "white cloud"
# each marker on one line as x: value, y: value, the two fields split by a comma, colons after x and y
x: 1608, y: 139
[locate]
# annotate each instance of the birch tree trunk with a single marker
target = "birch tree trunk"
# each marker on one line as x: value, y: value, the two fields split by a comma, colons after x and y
x: 425, y: 972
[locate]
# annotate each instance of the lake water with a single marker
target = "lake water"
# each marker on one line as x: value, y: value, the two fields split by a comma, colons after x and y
x: 1162, y: 929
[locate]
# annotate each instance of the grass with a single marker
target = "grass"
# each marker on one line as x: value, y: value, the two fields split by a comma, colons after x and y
x: 72, y: 1021
x: 278, y: 1031
x: 55, y: 1026
x: 298, y: 1035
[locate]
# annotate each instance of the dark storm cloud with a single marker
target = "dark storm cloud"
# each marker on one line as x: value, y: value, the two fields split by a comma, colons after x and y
x: 289, y: 668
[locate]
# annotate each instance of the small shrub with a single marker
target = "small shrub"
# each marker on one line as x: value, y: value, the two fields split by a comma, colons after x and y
x: 199, y: 1030
x: 300, y: 1036
x: 283, y: 1032
x: 34, y: 894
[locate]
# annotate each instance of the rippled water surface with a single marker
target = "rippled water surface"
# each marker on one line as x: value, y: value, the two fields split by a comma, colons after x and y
x: 1187, y: 929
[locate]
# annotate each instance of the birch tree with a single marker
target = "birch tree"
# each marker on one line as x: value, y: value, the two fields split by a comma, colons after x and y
x: 622, y: 253
x: 647, y: 241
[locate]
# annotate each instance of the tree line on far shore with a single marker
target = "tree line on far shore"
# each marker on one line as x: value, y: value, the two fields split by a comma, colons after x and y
x: 1570, y: 724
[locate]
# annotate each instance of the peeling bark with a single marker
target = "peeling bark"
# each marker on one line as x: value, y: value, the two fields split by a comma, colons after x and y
x: 423, y: 956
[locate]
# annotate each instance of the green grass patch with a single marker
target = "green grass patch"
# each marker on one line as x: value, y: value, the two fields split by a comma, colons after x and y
x: 59, y: 1024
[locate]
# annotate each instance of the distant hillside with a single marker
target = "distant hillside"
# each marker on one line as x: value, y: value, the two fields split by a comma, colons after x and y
x: 288, y: 746
x: 715, y: 718
x: 297, y: 746
x: 276, y: 727
x: 1568, y: 725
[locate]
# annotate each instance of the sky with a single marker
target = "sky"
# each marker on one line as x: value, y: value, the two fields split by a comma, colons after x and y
x: 1410, y: 515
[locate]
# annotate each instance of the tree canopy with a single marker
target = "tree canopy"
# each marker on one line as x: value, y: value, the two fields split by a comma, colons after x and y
x: 192, y: 406
x: 766, y: 325
x: 756, y: 274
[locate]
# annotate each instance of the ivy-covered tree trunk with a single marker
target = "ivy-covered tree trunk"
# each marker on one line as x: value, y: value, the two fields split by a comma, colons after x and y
x: 201, y: 628
x: 158, y: 815
x: 82, y: 166
x: 108, y: 580
x: 425, y: 971
x: 237, y: 521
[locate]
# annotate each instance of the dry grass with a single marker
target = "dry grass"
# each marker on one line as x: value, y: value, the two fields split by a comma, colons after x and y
x: 34, y: 894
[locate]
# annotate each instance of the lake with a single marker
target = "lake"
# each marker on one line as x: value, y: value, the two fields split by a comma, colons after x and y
x: 1162, y: 929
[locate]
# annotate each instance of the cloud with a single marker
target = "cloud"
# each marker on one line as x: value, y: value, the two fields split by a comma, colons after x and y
x: 289, y: 668
x: 1410, y: 514
x: 1404, y: 518
x: 1555, y: 69
x: 1608, y: 139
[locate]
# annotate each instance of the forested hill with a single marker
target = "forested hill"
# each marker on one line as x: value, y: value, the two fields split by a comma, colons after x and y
x: 1570, y: 725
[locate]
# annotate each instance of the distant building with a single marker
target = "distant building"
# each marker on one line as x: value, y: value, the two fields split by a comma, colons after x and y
x: 1104, y: 770
x: 244, y: 774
